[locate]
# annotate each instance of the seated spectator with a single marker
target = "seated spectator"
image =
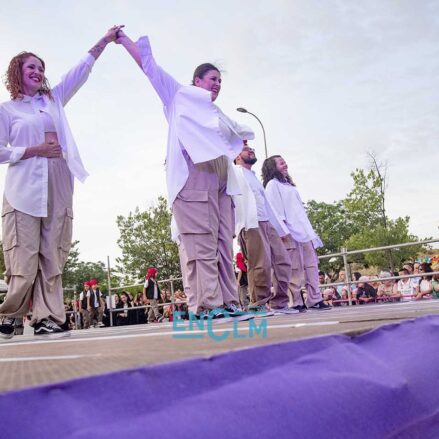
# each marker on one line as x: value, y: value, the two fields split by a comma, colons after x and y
x: 425, y: 287
x: 329, y: 294
x: 343, y: 290
x: 405, y: 288
x: 356, y: 278
x: 365, y: 292
x: 139, y: 315
x: 435, y: 282
x: 386, y: 289
x: 124, y: 317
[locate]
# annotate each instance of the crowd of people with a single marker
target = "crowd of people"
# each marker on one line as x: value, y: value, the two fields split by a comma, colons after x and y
x: 92, y: 309
x: 412, y: 283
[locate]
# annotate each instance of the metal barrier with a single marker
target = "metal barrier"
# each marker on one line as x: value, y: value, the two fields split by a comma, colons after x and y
x: 345, y: 253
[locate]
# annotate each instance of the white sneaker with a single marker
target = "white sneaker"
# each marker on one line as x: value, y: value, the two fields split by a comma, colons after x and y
x: 285, y: 310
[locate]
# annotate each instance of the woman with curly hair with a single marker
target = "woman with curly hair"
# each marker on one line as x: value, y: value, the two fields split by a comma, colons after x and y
x: 285, y: 199
x: 37, y: 144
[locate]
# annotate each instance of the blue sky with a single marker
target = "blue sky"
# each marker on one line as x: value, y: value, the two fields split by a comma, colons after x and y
x: 331, y: 80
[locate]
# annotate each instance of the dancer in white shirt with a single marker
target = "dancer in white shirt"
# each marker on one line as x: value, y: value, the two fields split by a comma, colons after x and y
x: 202, y: 142
x: 285, y: 199
x: 261, y: 235
x: 36, y: 142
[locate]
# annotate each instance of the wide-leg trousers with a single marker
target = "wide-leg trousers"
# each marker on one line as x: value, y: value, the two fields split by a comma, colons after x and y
x: 36, y: 250
x: 204, y: 214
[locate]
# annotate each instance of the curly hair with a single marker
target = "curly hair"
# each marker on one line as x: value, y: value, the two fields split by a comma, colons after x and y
x: 12, y: 78
x: 269, y: 171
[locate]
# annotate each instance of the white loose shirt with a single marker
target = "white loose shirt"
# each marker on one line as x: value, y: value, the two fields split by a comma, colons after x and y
x: 246, y: 210
x: 22, y: 126
x: 288, y: 205
x: 196, y: 125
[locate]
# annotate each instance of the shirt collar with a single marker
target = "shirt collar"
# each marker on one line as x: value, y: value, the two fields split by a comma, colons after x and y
x: 35, y: 97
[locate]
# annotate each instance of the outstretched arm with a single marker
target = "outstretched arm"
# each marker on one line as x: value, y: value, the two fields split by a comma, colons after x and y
x: 109, y: 37
x: 130, y: 46
x: 164, y: 84
x: 76, y: 77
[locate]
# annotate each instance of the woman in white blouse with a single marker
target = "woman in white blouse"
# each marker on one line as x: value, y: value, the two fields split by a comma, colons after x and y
x: 202, y: 142
x: 37, y: 144
x: 285, y: 199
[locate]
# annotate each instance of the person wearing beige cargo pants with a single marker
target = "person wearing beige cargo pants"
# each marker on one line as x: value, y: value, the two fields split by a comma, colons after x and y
x: 36, y: 142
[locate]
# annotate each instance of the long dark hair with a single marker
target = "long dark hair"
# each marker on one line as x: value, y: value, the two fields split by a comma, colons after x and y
x: 269, y: 171
x: 426, y: 268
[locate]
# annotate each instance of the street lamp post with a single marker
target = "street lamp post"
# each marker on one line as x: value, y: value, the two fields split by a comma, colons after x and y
x: 243, y: 110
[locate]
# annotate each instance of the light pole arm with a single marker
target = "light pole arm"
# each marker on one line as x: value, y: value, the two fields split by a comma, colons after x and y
x: 263, y: 132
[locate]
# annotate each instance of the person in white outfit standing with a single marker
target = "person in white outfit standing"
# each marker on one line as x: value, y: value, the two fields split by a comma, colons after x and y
x: 285, y: 199
x: 37, y: 144
x: 202, y: 142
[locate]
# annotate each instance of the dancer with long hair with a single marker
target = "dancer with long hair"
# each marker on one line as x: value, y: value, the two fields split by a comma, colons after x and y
x: 285, y: 199
x: 202, y: 142
x: 37, y: 144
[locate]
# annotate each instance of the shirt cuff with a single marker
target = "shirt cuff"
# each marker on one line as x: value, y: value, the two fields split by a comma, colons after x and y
x: 89, y: 60
x: 17, y: 153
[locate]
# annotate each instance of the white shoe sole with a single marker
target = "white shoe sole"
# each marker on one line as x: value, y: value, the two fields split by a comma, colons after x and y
x: 262, y: 314
x: 285, y: 313
x: 6, y: 336
x: 53, y: 336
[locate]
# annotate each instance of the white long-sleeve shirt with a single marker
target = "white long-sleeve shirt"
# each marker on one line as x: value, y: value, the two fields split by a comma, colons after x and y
x: 196, y: 125
x: 247, y: 213
x: 288, y: 205
x: 21, y: 126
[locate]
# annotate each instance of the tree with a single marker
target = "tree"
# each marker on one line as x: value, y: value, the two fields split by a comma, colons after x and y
x: 331, y: 223
x: 77, y: 272
x: 145, y: 240
x: 360, y: 221
x: 396, y: 232
x: 69, y: 273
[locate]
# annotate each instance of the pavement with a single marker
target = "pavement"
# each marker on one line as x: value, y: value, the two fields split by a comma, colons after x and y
x: 26, y: 361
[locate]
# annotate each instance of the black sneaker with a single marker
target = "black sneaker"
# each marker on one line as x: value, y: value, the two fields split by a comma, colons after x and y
x: 321, y: 306
x: 219, y: 315
x: 49, y: 329
x: 300, y: 308
x: 260, y: 311
x: 7, y: 327
x: 237, y: 313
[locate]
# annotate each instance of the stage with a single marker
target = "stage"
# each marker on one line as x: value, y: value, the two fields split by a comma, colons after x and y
x: 25, y: 361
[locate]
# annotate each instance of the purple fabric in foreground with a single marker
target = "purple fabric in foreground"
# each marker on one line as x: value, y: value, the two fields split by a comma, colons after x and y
x: 383, y: 384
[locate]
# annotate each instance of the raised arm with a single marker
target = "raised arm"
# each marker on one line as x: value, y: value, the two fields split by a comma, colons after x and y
x: 164, y: 84
x: 72, y: 81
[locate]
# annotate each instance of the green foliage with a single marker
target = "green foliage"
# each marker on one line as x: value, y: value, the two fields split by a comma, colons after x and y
x: 145, y: 240
x: 331, y: 223
x: 77, y: 272
x: 363, y: 204
x: 359, y: 221
x: 396, y: 232
x: 2, y: 261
